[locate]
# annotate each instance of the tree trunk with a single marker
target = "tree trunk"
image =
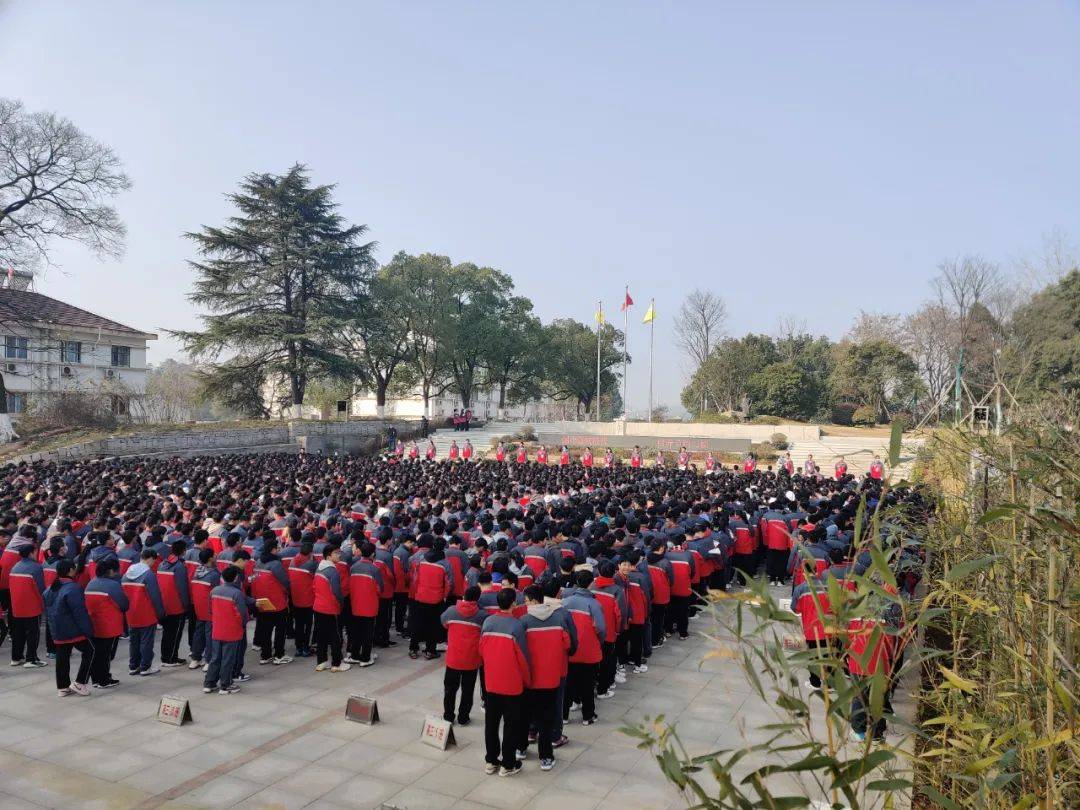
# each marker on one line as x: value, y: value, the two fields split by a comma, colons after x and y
x: 7, y: 432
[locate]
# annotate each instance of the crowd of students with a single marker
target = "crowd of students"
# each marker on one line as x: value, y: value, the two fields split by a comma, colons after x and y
x: 550, y: 585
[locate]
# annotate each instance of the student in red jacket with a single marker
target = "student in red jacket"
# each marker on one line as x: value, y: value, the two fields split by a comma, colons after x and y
x: 229, y: 612
x: 106, y: 604
x: 365, y: 585
x: 206, y: 578
x: 550, y: 647
x: 26, y: 582
x: 432, y: 582
x: 269, y: 581
x: 612, y: 601
x: 463, y: 622
x: 505, y: 656
x: 327, y: 610
x: 810, y: 600
x: 145, y: 610
x: 302, y: 596
x: 172, y: 580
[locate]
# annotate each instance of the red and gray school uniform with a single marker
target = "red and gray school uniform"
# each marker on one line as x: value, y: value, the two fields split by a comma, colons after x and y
x: 97, y: 556
x: 172, y: 578
x: 106, y: 604
x: 589, y: 622
x: 270, y: 581
x: 66, y: 613
x: 229, y: 613
x: 463, y: 622
x: 505, y: 654
x: 26, y: 582
x: 145, y: 610
x: 612, y: 599
x: 549, y: 644
x: 489, y: 602
x: 205, y: 579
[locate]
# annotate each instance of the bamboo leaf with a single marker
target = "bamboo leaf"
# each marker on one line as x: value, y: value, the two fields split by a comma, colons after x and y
x: 889, y: 784
x: 960, y: 571
x: 963, y: 684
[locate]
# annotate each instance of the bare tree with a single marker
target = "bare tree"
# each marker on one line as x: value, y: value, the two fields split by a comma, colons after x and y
x: 55, y: 183
x: 699, y: 324
x: 929, y: 336
x: 962, y: 285
x: 882, y: 326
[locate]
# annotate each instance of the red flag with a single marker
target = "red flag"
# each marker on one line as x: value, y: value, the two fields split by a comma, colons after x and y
x: 629, y: 302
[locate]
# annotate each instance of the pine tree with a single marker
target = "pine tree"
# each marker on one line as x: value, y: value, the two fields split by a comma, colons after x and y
x: 273, y: 278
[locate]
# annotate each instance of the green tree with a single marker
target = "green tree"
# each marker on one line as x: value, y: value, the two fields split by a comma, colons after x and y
x: 1043, y: 352
x: 875, y: 373
x: 570, y: 360
x: 721, y: 380
x: 782, y: 389
x: 515, y: 354
x: 427, y: 293
x: 479, y: 297
x: 374, y: 330
x: 272, y: 278
x: 813, y: 356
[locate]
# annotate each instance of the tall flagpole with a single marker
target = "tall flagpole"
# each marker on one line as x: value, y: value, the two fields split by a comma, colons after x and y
x: 599, y: 326
x: 652, y: 329
x: 625, y: 340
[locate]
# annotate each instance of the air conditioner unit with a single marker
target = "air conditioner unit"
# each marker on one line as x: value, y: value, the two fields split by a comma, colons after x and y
x: 11, y: 368
x: 109, y: 374
x: 66, y: 371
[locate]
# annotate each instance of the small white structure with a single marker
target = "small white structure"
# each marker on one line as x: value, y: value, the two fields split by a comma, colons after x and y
x: 51, y: 348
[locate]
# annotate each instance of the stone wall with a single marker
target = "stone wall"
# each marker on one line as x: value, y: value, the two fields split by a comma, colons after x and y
x: 312, y: 437
x: 682, y: 430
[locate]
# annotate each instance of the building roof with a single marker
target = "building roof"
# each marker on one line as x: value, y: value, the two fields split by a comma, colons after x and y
x: 26, y: 306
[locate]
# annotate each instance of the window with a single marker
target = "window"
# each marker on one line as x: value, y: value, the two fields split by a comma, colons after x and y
x: 14, y: 347
x: 70, y: 351
x: 121, y: 356
x: 16, y: 403
x: 119, y: 405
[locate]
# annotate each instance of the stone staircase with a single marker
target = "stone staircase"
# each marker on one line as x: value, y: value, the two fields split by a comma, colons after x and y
x: 480, y: 437
x: 858, y: 451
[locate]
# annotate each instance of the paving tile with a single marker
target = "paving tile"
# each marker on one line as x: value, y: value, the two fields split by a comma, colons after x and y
x: 397, y: 768
x: 224, y: 791
x: 313, y: 780
x: 414, y: 798
x: 510, y: 793
x: 271, y: 768
x: 453, y: 780
x: 275, y: 798
x: 361, y: 792
x: 562, y: 800
x: 588, y: 780
x: 311, y: 746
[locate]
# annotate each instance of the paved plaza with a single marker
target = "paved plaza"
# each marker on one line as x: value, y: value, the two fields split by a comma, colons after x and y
x: 283, y: 741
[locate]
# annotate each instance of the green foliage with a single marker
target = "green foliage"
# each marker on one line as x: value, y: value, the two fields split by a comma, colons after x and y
x: 271, y: 279
x: 570, y: 362
x: 864, y: 416
x: 843, y: 413
x: 779, y: 441
x: 721, y: 380
x: 1044, y: 352
x: 765, y: 419
x: 782, y: 389
x: 875, y: 373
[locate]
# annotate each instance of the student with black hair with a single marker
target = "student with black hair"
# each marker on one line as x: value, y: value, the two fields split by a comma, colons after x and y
x: 172, y: 580
x: 106, y: 604
x: 65, y: 608
x: 270, y: 582
x: 229, y: 612
x: 302, y: 596
x: 205, y: 579
x: 504, y: 651
x: 463, y: 622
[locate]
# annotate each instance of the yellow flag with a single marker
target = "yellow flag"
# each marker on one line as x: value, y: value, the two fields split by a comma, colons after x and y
x: 599, y: 316
x: 650, y: 313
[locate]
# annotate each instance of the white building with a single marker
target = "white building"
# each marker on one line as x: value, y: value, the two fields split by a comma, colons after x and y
x: 51, y: 348
x: 484, y: 405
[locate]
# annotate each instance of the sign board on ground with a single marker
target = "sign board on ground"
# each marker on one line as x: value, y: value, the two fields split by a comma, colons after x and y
x: 362, y: 709
x: 437, y: 733
x: 174, y: 710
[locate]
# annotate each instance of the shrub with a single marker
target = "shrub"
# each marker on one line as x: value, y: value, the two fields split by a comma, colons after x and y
x: 717, y: 419
x: 526, y: 434
x: 864, y: 415
x: 74, y: 410
x: 905, y: 419
x: 779, y: 441
x: 766, y: 420
x: 842, y: 413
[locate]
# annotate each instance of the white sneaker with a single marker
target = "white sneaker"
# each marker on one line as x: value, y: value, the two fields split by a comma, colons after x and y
x: 366, y: 663
x: 610, y: 693
x: 343, y: 668
x: 620, y: 678
x: 195, y: 664
x: 18, y: 663
x: 206, y: 667
x: 81, y: 689
x: 641, y: 670
x: 63, y: 692
x: 285, y: 659
x: 322, y: 667
x: 489, y: 768
x: 547, y: 764
x: 348, y: 659
x: 151, y: 671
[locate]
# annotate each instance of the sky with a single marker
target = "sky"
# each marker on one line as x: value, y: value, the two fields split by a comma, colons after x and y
x: 802, y: 160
